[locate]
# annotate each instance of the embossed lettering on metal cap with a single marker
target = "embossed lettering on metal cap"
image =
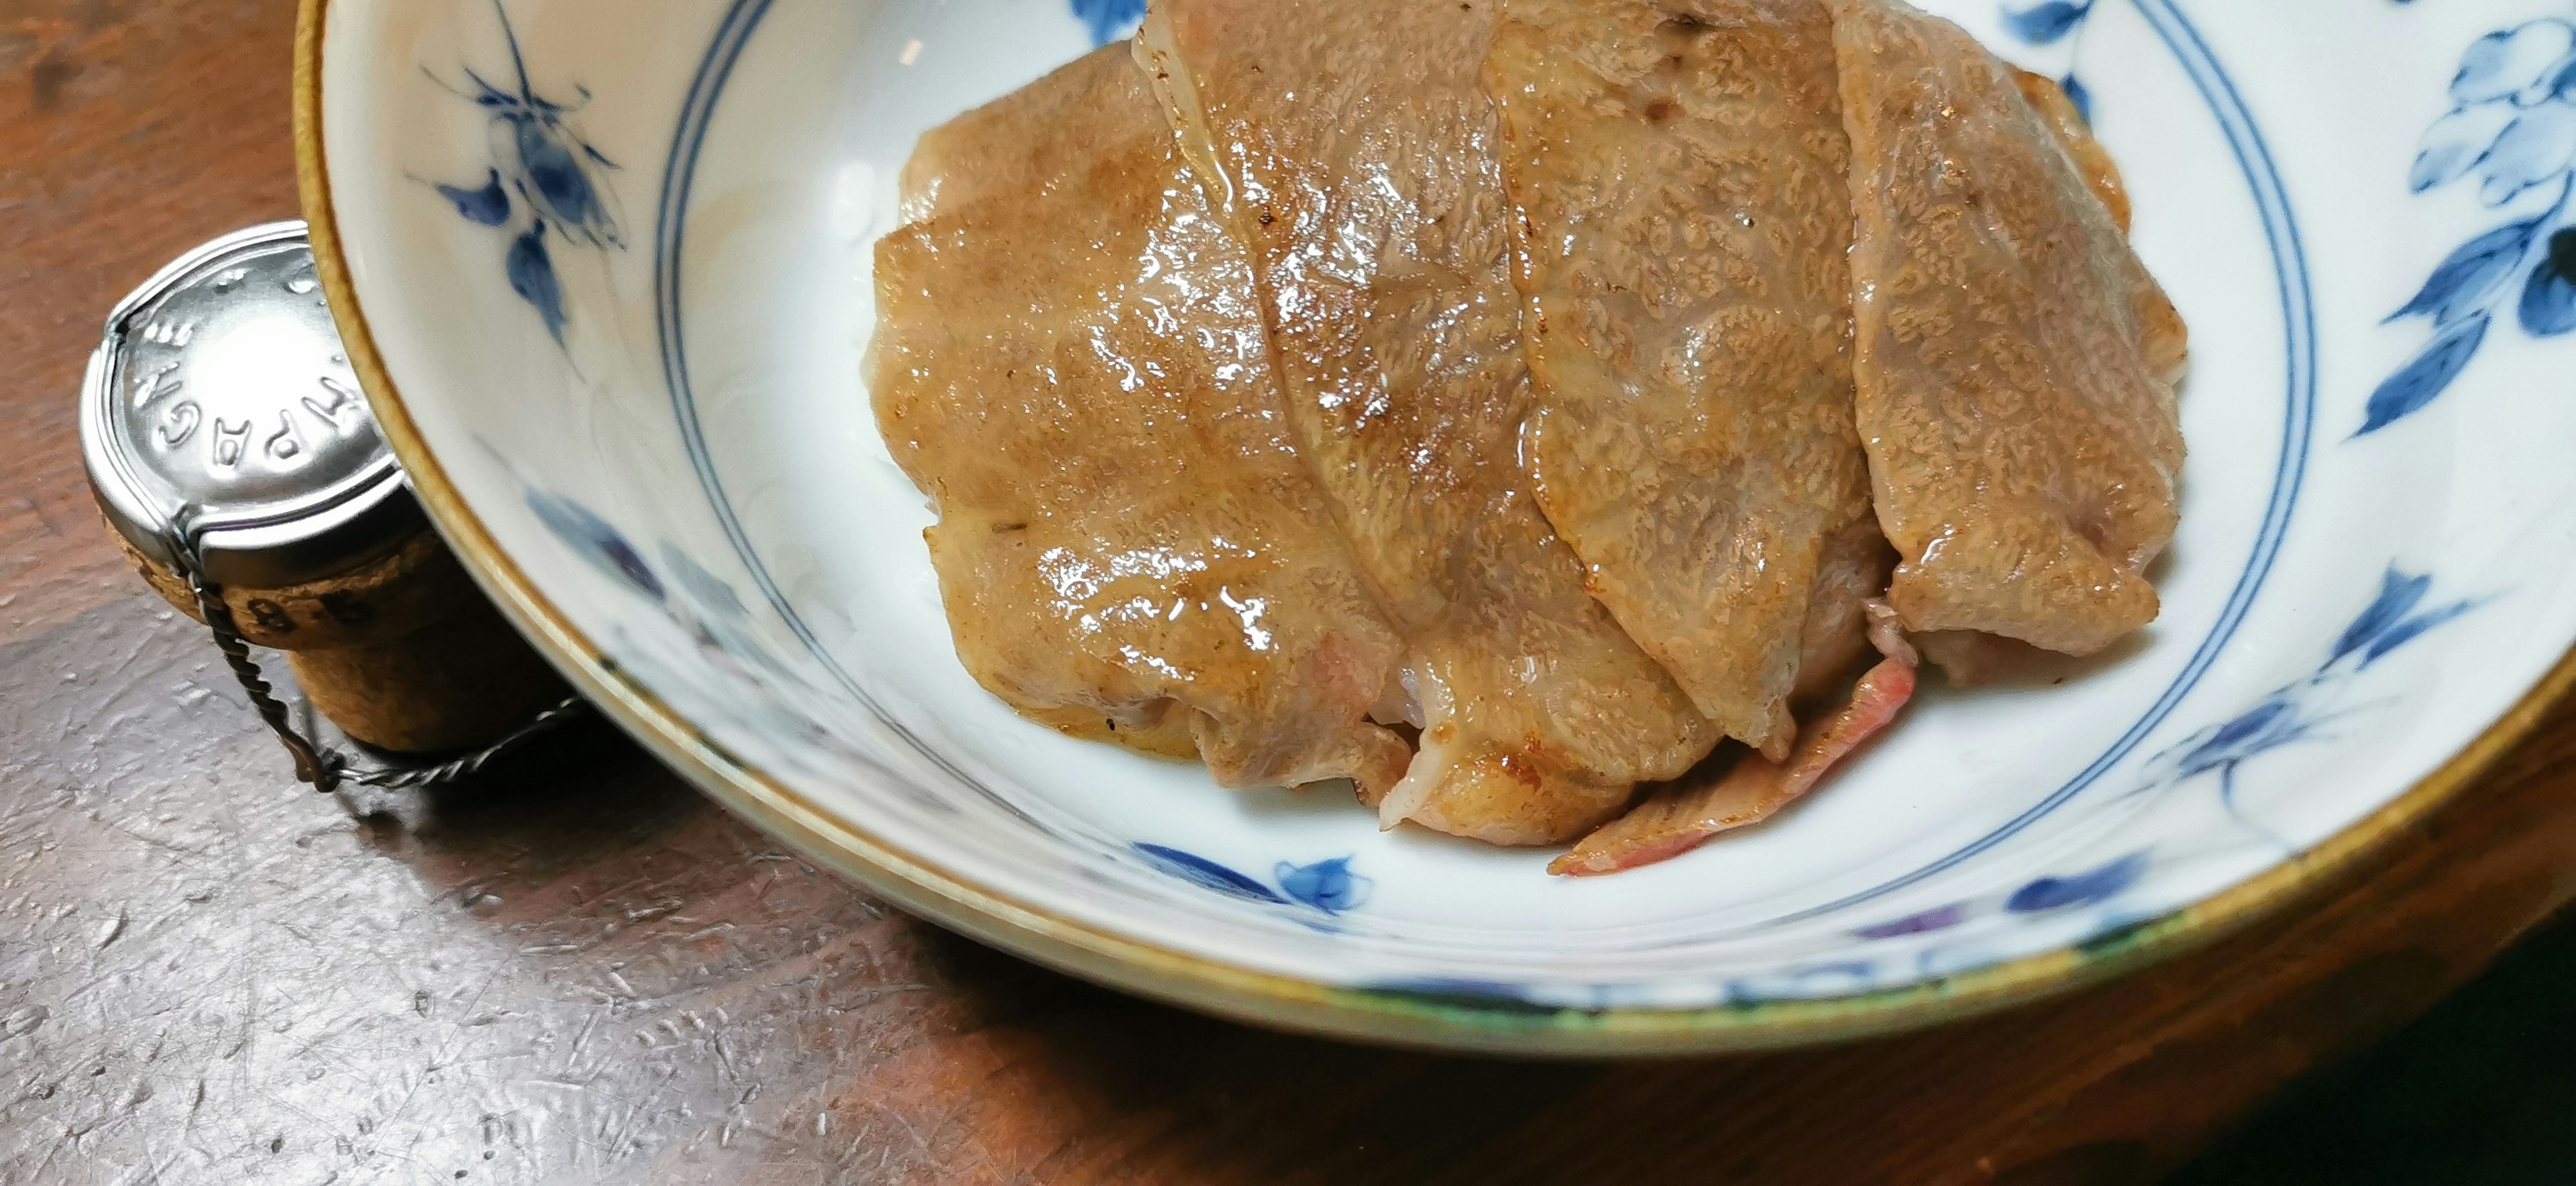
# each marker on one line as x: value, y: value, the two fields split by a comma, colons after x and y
x: 224, y: 429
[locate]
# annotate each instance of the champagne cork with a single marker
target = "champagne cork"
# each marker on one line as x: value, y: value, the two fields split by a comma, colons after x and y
x: 402, y: 653
x: 227, y: 442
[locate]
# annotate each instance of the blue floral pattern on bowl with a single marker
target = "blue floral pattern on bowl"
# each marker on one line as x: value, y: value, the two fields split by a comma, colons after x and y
x: 2087, y: 888
x: 2512, y: 126
x: 1327, y: 887
x: 2300, y: 711
x: 539, y: 182
x: 2042, y: 896
x: 2296, y: 712
x: 699, y: 615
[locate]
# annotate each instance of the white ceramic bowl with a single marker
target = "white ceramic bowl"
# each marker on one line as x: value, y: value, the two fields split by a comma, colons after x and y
x: 604, y: 265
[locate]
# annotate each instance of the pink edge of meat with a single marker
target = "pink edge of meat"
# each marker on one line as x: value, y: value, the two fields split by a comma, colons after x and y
x: 1682, y: 819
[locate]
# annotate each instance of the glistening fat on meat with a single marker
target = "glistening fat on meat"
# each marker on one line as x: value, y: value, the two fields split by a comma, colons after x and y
x: 1069, y: 362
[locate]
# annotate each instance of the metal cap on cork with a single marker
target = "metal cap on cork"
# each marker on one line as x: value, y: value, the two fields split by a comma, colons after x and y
x: 229, y: 445
x: 221, y: 416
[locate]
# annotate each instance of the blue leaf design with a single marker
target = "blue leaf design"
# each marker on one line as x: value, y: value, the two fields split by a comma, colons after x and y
x: 1329, y: 886
x: 2048, y: 23
x: 2398, y: 596
x: 487, y: 206
x: 2548, y: 306
x: 2272, y: 723
x: 2412, y: 628
x: 1207, y: 874
x: 2460, y: 282
x: 2415, y: 384
x: 591, y: 538
x: 2078, y: 94
x: 532, y: 276
x: 1939, y: 918
x: 2082, y: 889
x: 1108, y: 20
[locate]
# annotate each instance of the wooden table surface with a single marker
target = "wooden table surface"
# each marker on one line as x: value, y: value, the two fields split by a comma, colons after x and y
x: 582, y: 971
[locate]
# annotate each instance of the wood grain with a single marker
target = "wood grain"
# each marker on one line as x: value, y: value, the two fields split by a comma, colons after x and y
x: 130, y: 131
x: 580, y: 971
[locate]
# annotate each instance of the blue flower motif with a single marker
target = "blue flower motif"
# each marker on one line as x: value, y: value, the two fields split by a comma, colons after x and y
x: 2080, y: 889
x: 2298, y: 711
x: 1109, y: 20
x: 2512, y: 124
x: 1328, y: 887
x: 540, y: 177
x: 2525, y: 63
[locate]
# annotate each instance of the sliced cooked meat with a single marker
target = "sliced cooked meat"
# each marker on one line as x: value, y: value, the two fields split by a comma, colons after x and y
x: 1681, y: 818
x: 1069, y: 361
x: 1358, y: 149
x: 2162, y: 337
x: 2066, y: 122
x: 1678, y: 172
x: 2015, y: 404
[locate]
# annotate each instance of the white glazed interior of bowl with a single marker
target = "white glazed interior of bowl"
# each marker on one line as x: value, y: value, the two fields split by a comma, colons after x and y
x: 652, y: 402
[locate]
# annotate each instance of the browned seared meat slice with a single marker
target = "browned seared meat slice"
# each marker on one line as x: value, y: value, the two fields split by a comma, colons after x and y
x: 2016, y: 406
x: 1681, y: 818
x: 1358, y: 148
x: 1679, y: 177
x: 2065, y: 122
x: 2162, y: 337
x: 1069, y: 361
